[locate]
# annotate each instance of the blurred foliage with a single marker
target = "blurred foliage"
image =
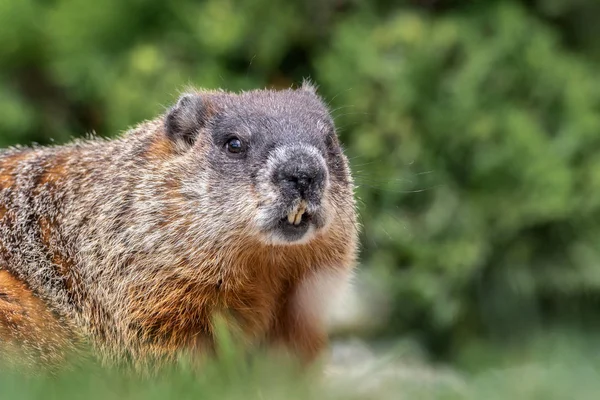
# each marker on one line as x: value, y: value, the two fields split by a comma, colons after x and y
x: 483, y: 190
x: 473, y: 127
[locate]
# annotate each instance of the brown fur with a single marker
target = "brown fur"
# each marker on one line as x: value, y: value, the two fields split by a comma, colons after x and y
x: 29, y: 332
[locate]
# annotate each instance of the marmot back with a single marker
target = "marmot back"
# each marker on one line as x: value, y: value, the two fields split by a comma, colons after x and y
x: 238, y: 205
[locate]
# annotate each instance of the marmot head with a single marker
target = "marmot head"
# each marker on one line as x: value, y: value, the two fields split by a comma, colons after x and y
x: 266, y: 163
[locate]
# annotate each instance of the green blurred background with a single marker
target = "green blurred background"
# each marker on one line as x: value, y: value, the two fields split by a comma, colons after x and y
x: 473, y: 128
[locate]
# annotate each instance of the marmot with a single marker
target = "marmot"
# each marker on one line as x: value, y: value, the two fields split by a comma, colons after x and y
x: 234, y: 203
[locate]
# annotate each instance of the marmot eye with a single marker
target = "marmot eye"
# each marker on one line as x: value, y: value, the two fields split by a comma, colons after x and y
x: 235, y: 146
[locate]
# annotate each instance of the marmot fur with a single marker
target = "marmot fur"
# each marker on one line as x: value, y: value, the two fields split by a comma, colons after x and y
x: 233, y: 204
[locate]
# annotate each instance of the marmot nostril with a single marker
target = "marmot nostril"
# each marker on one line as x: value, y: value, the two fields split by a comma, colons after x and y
x: 301, y: 183
x: 295, y: 182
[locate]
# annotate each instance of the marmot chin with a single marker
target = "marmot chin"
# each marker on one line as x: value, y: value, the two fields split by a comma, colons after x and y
x: 229, y: 204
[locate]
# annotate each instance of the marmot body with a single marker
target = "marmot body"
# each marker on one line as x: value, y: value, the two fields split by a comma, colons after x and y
x: 232, y: 204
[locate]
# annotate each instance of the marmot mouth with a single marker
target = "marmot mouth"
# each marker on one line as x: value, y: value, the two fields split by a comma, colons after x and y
x: 295, y: 216
x: 294, y: 225
x: 297, y: 220
x: 297, y: 229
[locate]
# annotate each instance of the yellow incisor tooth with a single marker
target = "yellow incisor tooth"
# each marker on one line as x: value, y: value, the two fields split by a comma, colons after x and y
x: 298, y: 217
x: 295, y: 216
x: 300, y: 212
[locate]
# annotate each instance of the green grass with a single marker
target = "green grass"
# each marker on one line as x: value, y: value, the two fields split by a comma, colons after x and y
x: 257, y: 378
x: 553, y: 367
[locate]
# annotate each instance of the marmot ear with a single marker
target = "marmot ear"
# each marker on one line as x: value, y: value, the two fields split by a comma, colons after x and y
x: 184, y: 120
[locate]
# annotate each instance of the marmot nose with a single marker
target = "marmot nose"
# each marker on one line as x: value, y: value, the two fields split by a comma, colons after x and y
x: 300, y: 182
x: 301, y: 175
